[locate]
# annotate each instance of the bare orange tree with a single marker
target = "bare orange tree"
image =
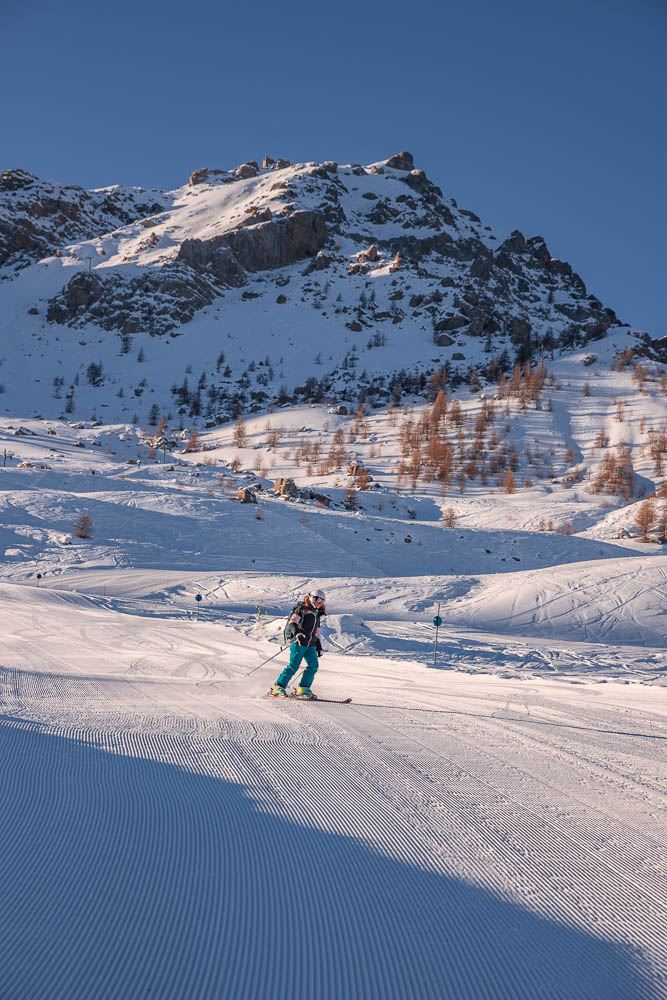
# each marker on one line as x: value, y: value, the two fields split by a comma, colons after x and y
x: 240, y: 432
x: 645, y: 518
x: 84, y: 526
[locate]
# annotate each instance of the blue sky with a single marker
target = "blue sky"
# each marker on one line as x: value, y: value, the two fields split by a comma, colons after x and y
x: 549, y: 118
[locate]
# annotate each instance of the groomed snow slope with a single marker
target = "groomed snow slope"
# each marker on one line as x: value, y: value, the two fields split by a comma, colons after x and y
x: 484, y: 823
x: 167, y: 832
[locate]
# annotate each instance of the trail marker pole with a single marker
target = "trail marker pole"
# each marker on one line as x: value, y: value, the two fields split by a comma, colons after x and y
x: 198, y: 600
x: 39, y: 577
x: 437, y: 621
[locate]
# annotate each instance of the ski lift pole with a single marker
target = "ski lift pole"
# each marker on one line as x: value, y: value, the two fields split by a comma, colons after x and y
x: 437, y: 621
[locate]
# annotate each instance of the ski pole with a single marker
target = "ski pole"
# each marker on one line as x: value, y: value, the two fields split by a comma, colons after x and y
x: 264, y: 661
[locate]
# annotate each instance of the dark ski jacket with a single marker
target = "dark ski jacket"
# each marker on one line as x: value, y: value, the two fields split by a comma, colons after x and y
x: 304, y: 621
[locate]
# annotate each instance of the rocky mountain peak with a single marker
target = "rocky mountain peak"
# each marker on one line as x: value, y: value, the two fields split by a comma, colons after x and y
x: 375, y: 250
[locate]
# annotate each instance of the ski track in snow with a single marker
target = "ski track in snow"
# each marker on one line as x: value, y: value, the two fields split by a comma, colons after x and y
x: 173, y: 833
x: 493, y: 829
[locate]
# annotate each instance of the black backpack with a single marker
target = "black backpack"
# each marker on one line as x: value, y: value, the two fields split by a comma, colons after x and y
x: 289, y: 632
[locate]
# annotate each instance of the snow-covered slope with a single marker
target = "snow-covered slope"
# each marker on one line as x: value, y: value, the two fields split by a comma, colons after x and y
x: 290, y: 281
x: 486, y: 818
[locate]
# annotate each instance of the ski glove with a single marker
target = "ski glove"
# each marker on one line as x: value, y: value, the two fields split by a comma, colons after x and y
x: 301, y: 639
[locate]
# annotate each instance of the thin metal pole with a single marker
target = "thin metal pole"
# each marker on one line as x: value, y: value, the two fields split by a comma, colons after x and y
x: 435, y: 651
x: 265, y: 661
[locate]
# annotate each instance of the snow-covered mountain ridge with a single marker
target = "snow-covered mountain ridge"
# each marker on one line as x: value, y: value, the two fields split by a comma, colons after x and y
x: 330, y: 279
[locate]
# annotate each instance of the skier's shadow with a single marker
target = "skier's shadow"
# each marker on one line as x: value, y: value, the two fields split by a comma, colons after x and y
x: 128, y: 872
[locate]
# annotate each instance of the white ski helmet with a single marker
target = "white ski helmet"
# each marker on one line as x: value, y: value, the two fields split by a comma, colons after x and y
x: 317, y: 593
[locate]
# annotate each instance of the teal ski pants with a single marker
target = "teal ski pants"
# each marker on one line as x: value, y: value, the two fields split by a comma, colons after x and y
x: 297, y: 654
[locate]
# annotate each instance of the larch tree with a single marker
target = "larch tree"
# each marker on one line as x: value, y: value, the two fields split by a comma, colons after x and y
x: 645, y: 518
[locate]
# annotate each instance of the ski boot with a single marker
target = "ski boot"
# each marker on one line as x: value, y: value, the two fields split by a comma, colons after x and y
x: 277, y: 692
x: 305, y: 693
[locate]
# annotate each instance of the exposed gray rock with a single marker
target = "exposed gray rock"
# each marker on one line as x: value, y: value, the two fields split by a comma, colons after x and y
x: 454, y: 322
x: 156, y: 302
x: 199, y: 176
x: 263, y: 246
x: 442, y: 340
x: 481, y: 267
x: 37, y: 217
x: 321, y: 261
x: 246, y: 170
x: 213, y: 257
x: 16, y: 179
x: 285, y: 487
x: 279, y: 242
x: 80, y: 293
x: 321, y: 498
x: 401, y: 161
x: 368, y: 255
x: 515, y: 243
x: 246, y: 495
x: 519, y: 328
x: 481, y: 322
x: 418, y: 181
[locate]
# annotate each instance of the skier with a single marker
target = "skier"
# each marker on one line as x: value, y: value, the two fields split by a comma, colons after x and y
x: 303, y: 627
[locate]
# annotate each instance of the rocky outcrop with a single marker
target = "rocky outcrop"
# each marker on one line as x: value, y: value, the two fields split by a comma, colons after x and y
x: 321, y: 261
x: 38, y: 218
x: 199, y: 176
x: 245, y: 170
x: 156, y: 302
x: 16, y: 179
x: 277, y: 243
x: 213, y: 257
x: 285, y: 487
x: 481, y: 267
x: 515, y: 287
x: 163, y: 298
x: 454, y: 322
x: 401, y: 161
x: 370, y: 255
x: 79, y: 294
x: 420, y: 183
x: 246, y: 495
